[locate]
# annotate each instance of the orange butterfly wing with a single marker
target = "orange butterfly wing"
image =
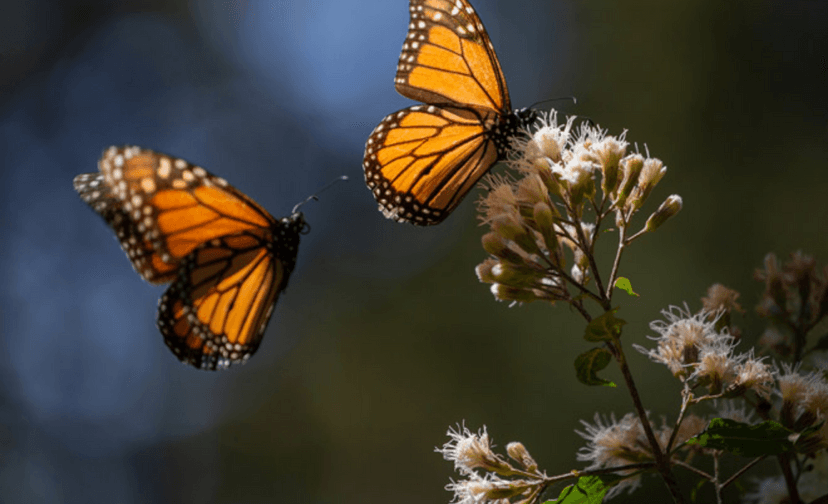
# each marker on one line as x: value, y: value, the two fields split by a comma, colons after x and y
x: 447, y: 57
x: 227, y: 257
x: 421, y: 162
x: 216, y: 312
x: 93, y: 189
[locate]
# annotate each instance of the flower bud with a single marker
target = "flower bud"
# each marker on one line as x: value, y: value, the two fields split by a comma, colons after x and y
x: 494, y: 244
x: 484, y: 270
x: 774, y: 285
x: 545, y: 225
x: 581, y: 183
x: 520, y: 454
x: 651, y: 173
x: 516, y: 275
x: 548, y: 142
x: 511, y: 228
x: 531, y: 190
x: 506, y: 490
x: 670, y: 207
x: 630, y: 167
x: 550, y: 180
x: 506, y: 293
x: 608, y: 153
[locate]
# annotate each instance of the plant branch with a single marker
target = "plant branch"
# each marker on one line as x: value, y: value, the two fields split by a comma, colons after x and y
x: 593, y: 472
x: 696, y: 470
x: 741, y: 471
x: 592, y: 265
x: 790, y: 481
x: 622, y: 231
x: 662, y: 461
x: 686, y: 397
x: 716, y: 483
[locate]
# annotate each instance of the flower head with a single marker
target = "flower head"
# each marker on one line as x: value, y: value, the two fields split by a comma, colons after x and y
x: 541, y: 234
x: 488, y: 489
x: 470, y: 451
x: 613, y: 443
x: 682, y: 337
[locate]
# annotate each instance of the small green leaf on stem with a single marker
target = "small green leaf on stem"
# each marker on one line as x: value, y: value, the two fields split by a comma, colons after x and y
x: 588, y: 490
x: 624, y: 284
x: 589, y: 363
x: 607, y: 327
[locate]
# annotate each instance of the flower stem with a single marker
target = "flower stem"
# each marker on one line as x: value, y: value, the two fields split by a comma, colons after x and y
x: 686, y: 397
x: 662, y: 461
x: 790, y: 481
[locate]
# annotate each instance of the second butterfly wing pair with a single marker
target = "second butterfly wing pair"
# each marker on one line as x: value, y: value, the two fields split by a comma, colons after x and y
x: 228, y: 259
x: 421, y: 162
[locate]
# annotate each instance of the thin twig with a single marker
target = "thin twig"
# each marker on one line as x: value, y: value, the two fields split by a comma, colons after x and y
x: 696, y: 470
x: 594, y: 472
x: 716, y: 484
x: 622, y: 231
x: 742, y: 470
x: 582, y: 311
x: 686, y: 397
x: 596, y: 275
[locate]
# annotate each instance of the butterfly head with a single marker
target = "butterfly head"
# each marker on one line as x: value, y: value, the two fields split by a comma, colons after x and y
x: 512, y: 125
x: 526, y: 116
x: 294, y: 223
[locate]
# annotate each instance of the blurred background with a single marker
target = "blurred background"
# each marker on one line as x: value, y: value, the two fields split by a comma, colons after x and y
x: 385, y: 337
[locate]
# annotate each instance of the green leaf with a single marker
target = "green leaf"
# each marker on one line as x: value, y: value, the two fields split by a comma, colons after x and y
x: 607, y: 327
x: 625, y: 285
x: 588, y: 490
x: 766, y: 438
x: 589, y: 363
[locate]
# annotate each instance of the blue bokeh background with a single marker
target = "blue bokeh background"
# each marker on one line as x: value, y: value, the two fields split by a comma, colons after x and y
x: 385, y: 337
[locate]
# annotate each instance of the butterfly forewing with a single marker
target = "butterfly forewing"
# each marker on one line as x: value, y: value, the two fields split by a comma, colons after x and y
x: 447, y: 57
x: 174, y: 204
x: 93, y: 189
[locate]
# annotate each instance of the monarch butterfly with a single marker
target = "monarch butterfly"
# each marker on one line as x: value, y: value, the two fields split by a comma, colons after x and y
x: 227, y: 258
x: 420, y: 162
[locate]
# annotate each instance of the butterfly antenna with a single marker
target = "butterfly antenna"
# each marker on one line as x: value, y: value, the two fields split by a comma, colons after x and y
x: 314, y: 196
x: 574, y: 100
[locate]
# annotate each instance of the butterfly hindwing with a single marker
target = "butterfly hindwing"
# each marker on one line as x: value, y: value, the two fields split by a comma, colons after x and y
x: 421, y: 161
x: 215, y: 313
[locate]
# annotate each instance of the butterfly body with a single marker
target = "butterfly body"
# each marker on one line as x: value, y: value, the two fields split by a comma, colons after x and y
x: 420, y: 162
x: 228, y: 259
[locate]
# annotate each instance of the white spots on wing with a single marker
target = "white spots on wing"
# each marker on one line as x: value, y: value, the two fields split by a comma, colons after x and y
x: 148, y: 185
x: 164, y: 167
